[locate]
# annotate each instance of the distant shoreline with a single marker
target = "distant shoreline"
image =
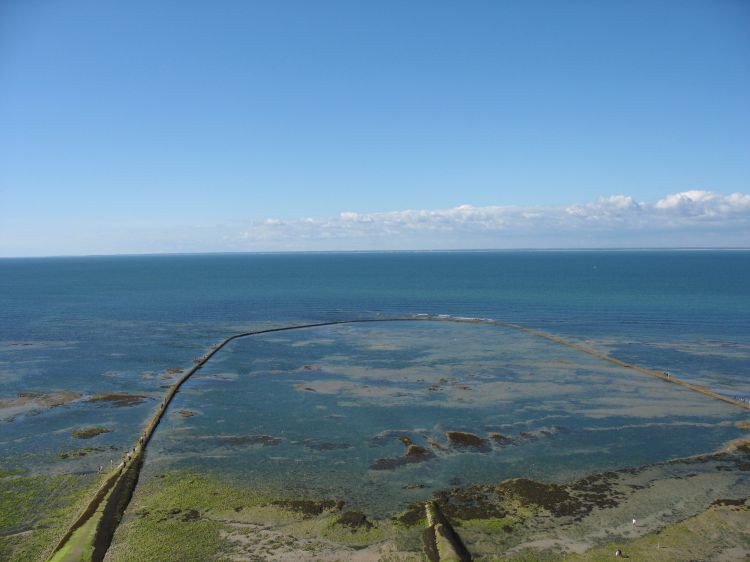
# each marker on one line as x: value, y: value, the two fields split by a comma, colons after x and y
x: 676, y: 249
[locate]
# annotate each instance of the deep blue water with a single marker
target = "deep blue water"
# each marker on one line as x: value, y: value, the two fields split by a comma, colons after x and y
x: 705, y: 293
x: 96, y: 324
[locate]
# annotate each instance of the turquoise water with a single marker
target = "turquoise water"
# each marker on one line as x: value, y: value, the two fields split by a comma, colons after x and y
x: 113, y: 324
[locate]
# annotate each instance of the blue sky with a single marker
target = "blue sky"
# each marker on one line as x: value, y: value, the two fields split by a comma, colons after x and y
x: 130, y: 127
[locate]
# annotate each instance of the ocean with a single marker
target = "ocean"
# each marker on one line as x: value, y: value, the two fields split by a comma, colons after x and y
x: 323, y: 411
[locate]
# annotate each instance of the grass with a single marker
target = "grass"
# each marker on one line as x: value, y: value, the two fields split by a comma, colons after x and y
x: 80, y: 545
x: 165, y: 520
x: 166, y: 541
x: 362, y: 536
x: 184, y: 516
x: 36, y: 511
x: 719, y: 529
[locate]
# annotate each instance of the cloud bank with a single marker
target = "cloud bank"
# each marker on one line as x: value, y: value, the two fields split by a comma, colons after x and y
x: 687, y: 219
x: 690, y: 218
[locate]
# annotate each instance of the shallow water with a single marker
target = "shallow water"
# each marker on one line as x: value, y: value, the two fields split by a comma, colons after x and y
x: 114, y: 324
x: 309, y: 413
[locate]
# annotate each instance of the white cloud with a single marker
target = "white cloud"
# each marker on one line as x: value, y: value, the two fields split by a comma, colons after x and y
x: 689, y: 218
x: 705, y: 204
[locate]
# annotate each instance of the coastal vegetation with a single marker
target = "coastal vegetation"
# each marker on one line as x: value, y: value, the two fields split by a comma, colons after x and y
x: 194, y: 515
x: 119, y: 399
x: 36, y: 511
x: 188, y: 516
x: 184, y: 515
x: 89, y: 432
x: 718, y: 533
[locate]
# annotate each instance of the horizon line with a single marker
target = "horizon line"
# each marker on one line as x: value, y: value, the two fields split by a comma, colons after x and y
x: 404, y: 251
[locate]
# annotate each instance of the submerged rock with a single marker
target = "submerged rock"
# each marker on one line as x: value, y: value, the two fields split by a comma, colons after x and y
x: 119, y: 399
x: 80, y: 452
x: 89, y: 432
x: 33, y: 402
x: 323, y: 445
x: 523, y: 497
x: 500, y: 438
x: 387, y: 436
x: 264, y: 440
x: 310, y: 508
x: 465, y: 440
x: 413, y: 454
x: 435, y: 444
x: 415, y: 451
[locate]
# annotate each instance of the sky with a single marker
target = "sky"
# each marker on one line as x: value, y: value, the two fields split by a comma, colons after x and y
x: 182, y: 126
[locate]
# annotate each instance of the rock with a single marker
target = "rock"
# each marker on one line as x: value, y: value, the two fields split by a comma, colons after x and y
x: 354, y: 519
x: 415, y: 451
x: 413, y: 454
x: 464, y: 440
x: 322, y: 445
x: 89, y: 432
x: 264, y: 440
x: 80, y: 452
x: 310, y: 508
x: 387, y: 436
x: 119, y: 399
x: 186, y: 413
x: 435, y: 444
x: 500, y: 438
x: 412, y: 516
x: 33, y: 402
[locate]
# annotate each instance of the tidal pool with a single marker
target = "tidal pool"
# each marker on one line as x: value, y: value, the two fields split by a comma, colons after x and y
x: 379, y: 416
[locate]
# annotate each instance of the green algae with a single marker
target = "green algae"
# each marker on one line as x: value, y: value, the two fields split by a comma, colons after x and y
x: 489, y: 526
x: 349, y: 530
x: 80, y: 452
x: 185, y: 516
x: 155, y: 527
x: 89, y: 432
x: 36, y: 511
x: 522, y: 519
x: 119, y: 399
x: 720, y: 532
x: 12, y: 472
